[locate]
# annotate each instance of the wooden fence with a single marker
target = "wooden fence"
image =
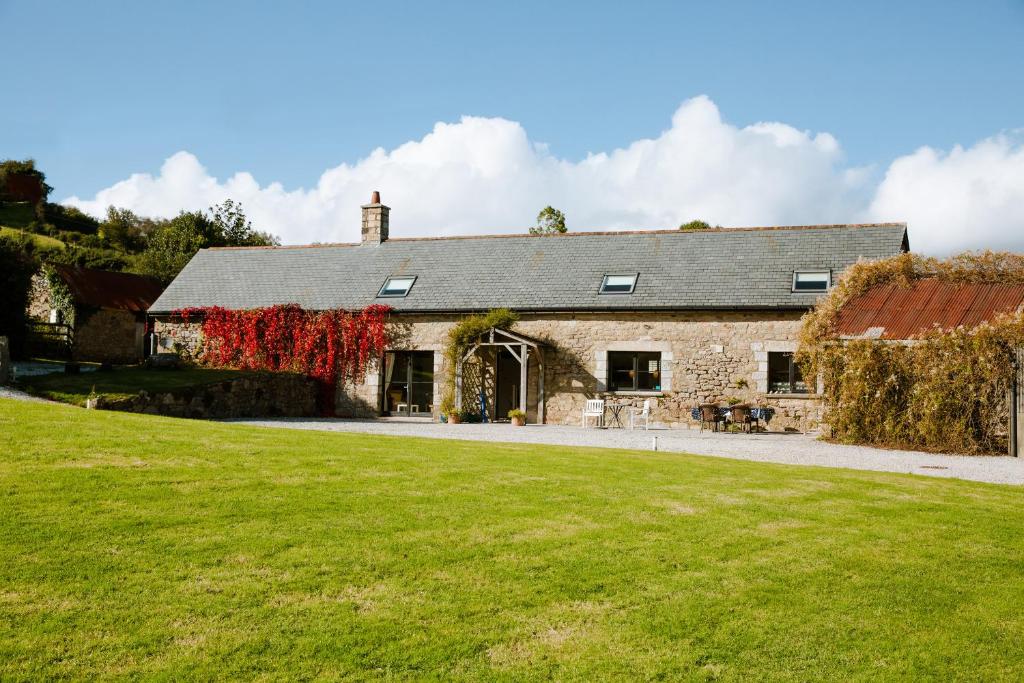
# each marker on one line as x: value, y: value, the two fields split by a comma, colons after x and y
x: 49, y: 340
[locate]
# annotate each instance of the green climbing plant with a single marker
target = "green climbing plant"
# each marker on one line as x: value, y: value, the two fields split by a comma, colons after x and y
x: 61, y: 299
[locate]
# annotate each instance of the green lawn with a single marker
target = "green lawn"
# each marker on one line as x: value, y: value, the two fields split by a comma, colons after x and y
x: 122, y: 382
x: 139, y: 546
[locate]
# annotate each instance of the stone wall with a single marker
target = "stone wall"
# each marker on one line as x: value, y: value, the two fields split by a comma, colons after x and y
x: 39, y: 299
x: 108, y: 335
x: 706, y: 356
x: 259, y: 395
x: 178, y: 337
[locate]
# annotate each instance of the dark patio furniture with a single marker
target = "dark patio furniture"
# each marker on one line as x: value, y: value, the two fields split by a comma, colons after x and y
x: 711, y: 415
x: 742, y: 415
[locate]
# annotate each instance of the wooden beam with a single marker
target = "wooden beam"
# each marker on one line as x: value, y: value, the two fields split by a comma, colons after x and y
x: 458, y: 385
x: 523, y: 364
x: 513, y: 352
x: 540, y: 387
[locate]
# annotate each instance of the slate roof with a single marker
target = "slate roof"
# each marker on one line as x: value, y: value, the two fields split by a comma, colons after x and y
x: 734, y: 268
x: 107, y: 289
x: 892, y: 312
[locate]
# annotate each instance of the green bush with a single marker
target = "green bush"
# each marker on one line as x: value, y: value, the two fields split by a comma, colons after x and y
x: 18, y: 263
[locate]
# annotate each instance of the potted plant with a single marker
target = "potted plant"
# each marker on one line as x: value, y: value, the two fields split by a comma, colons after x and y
x: 517, y: 416
x: 448, y: 412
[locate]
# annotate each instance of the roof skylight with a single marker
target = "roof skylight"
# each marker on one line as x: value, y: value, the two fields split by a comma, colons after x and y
x: 618, y: 284
x: 816, y: 281
x: 396, y: 286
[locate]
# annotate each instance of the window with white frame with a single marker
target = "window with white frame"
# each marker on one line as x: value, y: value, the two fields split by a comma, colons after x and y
x: 396, y: 286
x: 812, y: 281
x: 618, y: 284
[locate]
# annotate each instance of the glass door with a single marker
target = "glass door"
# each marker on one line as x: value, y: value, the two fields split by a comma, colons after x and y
x: 409, y: 383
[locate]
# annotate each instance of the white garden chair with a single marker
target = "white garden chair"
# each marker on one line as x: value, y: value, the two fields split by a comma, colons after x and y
x: 594, y: 408
x: 637, y: 415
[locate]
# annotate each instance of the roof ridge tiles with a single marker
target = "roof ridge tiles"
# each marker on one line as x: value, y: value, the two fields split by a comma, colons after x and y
x: 582, y: 233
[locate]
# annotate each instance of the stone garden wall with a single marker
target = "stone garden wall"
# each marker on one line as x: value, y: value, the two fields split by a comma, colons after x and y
x: 258, y: 395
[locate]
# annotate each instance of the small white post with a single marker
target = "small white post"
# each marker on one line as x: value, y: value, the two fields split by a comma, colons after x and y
x: 654, y: 443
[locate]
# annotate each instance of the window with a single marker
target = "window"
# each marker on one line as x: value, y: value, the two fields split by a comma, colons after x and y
x: 618, y: 284
x: 784, y: 375
x: 396, y: 286
x: 812, y: 282
x: 634, y: 371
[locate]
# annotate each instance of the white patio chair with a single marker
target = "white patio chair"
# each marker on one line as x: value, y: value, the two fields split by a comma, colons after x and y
x: 595, y: 409
x: 644, y: 414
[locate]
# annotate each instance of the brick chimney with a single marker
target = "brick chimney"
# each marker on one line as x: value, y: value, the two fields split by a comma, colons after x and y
x: 375, y: 220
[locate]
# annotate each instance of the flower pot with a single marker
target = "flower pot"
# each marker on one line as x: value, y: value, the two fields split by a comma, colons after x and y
x: 518, y: 421
x: 454, y: 419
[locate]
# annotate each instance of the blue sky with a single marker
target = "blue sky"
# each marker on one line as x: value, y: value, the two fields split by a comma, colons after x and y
x: 97, y: 91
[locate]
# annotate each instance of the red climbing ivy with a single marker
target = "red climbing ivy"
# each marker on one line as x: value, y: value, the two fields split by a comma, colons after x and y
x: 329, y: 346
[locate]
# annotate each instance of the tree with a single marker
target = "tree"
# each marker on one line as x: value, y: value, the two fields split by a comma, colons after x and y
x: 21, y: 181
x: 18, y: 264
x: 70, y: 219
x: 695, y: 225
x: 175, y: 242
x: 550, y: 221
x: 121, y: 229
x: 235, y: 230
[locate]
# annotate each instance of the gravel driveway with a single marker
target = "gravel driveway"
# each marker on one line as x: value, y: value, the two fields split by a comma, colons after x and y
x: 791, y: 449
x: 8, y: 392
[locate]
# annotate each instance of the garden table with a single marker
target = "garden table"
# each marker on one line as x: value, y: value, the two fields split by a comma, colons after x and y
x: 616, y: 410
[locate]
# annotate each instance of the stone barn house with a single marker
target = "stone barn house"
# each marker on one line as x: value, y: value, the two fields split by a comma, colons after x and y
x: 100, y: 314
x: 667, y: 316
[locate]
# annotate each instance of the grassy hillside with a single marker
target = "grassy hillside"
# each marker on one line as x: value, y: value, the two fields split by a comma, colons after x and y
x: 139, y: 546
x: 40, y: 240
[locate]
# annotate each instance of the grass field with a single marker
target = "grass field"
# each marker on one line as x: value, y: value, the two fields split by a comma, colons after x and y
x: 122, y: 382
x: 139, y: 546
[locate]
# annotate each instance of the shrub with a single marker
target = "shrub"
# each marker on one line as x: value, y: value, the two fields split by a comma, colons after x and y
x: 18, y: 262
x: 945, y: 390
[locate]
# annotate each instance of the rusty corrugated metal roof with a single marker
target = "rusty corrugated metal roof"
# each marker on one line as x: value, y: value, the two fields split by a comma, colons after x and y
x: 106, y: 289
x: 892, y: 312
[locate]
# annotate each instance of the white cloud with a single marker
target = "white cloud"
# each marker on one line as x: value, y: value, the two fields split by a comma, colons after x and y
x: 967, y: 199
x: 484, y: 175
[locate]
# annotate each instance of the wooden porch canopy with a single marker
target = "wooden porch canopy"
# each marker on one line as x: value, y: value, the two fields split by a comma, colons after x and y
x: 511, y: 341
